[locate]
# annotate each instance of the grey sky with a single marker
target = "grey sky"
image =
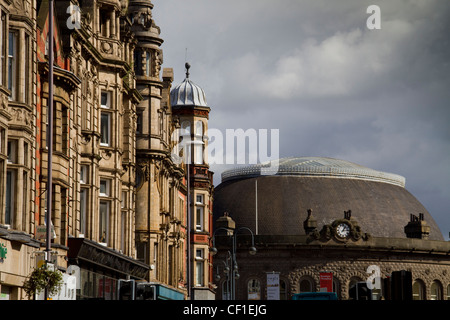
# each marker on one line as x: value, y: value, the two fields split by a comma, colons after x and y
x: 334, y: 88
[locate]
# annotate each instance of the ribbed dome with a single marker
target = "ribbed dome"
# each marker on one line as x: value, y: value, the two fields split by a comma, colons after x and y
x: 188, y: 93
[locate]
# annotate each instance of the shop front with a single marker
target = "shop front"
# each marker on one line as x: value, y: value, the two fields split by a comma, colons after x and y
x: 98, y: 269
x: 17, y: 260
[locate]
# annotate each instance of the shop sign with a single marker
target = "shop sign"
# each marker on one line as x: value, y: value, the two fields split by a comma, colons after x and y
x: 273, y: 286
x: 41, y: 232
x: 326, y: 282
x: 3, y: 252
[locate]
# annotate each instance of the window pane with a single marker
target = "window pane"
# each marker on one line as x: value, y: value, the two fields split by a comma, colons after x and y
x: 2, y: 45
x: 84, y: 174
x: 12, y: 64
x: 148, y: 64
x: 12, y: 151
x: 199, y: 273
x: 9, y: 208
x: 105, y: 128
x: 199, y: 219
x: 138, y: 63
x: 104, y: 100
x: 103, y: 223
x: 83, y: 210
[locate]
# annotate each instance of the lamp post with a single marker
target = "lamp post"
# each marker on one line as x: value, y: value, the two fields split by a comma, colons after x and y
x: 233, y: 233
x: 49, y: 139
x: 226, y: 271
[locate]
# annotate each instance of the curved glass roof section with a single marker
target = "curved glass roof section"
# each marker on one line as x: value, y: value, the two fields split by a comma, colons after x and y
x: 313, y: 167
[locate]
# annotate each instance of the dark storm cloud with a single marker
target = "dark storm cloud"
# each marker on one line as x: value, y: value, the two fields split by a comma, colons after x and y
x: 332, y: 87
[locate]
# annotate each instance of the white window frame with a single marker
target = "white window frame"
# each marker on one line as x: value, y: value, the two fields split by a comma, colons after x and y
x: 199, y: 212
x: 201, y: 197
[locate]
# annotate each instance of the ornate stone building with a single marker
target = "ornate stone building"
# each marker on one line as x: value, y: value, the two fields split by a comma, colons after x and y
x: 119, y: 208
x: 18, y: 145
x: 161, y: 189
x: 321, y: 215
x: 189, y: 106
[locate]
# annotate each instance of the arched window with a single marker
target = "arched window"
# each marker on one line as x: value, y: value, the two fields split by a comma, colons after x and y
x: 418, y: 290
x: 199, y: 128
x: 448, y: 292
x: 353, y: 291
x: 436, y: 290
x: 306, y: 284
x: 283, y: 290
x: 254, y: 289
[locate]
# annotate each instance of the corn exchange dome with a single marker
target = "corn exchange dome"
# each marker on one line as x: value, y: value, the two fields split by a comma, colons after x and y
x: 278, y: 204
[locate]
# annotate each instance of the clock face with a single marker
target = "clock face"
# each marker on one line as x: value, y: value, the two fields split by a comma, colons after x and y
x: 343, y: 230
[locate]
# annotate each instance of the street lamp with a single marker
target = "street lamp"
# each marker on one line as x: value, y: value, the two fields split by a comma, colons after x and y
x: 231, y: 232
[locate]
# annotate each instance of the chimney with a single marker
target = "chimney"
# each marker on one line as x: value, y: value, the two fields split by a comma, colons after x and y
x: 225, y: 221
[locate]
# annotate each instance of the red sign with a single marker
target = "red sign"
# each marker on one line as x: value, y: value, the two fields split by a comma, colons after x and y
x: 326, y: 282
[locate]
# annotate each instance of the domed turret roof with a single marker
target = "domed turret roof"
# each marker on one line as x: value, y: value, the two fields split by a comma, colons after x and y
x: 188, y: 93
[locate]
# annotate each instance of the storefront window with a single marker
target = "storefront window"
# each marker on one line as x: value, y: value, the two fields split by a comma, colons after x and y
x: 96, y: 286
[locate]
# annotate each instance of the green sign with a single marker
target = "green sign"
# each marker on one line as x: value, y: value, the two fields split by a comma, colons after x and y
x: 3, y: 252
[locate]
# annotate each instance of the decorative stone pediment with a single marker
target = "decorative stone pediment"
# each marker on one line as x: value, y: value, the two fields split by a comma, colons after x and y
x: 340, y: 230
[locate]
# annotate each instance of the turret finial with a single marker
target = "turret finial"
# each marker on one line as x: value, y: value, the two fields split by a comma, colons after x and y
x: 188, y: 66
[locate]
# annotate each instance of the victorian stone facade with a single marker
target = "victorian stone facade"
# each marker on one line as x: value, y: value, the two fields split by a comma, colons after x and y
x: 300, y: 262
x: 119, y: 200
x: 301, y: 233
